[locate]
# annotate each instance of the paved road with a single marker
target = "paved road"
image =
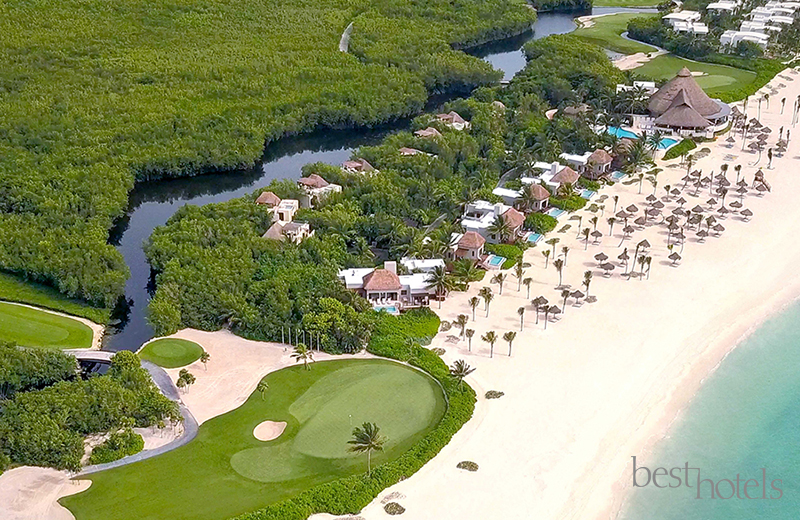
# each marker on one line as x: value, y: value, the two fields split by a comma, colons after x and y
x: 167, y: 387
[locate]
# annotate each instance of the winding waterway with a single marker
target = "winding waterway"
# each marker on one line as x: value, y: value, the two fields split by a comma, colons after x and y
x: 152, y: 204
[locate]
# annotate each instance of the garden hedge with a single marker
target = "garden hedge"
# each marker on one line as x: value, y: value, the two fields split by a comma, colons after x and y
x: 118, y: 445
x: 679, y: 149
x: 351, y: 494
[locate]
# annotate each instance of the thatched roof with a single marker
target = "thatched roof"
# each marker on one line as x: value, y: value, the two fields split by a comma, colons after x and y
x: 313, y: 181
x: 566, y: 175
x: 427, y: 133
x: 600, y: 156
x: 268, y: 198
x: 471, y: 240
x: 662, y: 100
x: 382, y: 280
x: 513, y: 218
x: 682, y: 114
x: 539, y: 192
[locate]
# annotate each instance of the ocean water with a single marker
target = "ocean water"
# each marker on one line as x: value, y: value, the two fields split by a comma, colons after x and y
x: 744, y: 421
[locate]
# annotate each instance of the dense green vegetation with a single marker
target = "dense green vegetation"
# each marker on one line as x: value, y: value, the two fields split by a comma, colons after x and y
x: 36, y: 328
x: 171, y: 352
x: 540, y: 223
x: 226, y: 471
x: 606, y: 30
x: 50, y: 412
x: 14, y: 289
x: 106, y: 96
x: 23, y: 370
x: 682, y: 148
x: 510, y: 252
x: 118, y: 445
x: 626, y: 3
x: 562, y: 5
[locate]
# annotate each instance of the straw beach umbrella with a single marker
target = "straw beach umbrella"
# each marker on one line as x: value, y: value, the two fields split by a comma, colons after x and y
x: 675, y: 257
x: 746, y: 213
x: 607, y: 267
x: 601, y: 257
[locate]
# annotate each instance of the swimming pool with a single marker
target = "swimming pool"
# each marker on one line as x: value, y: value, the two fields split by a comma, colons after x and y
x: 618, y: 175
x: 555, y: 212
x: 588, y: 194
x: 495, y: 261
x: 665, y: 143
x: 533, y: 238
x: 391, y: 309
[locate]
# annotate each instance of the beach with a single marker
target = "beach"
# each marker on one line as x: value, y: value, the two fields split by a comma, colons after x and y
x: 605, y: 382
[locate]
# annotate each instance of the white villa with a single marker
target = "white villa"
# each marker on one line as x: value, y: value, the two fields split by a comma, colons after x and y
x: 648, y: 86
x: 480, y: 215
x: 512, y: 197
x: 553, y: 175
x: 732, y: 38
x: 292, y: 231
x: 686, y: 21
x: 724, y: 5
x: 428, y: 133
x: 358, y: 166
x: 283, y: 212
x: 592, y: 165
x: 422, y: 265
x: 764, y: 20
x: 315, y: 188
x: 468, y: 245
x: 385, y: 288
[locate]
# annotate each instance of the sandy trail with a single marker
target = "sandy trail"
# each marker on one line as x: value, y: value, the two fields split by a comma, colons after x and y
x: 605, y: 382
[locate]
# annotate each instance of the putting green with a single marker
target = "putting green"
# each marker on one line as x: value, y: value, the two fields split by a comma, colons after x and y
x: 34, y: 328
x: 171, y: 352
x: 226, y: 471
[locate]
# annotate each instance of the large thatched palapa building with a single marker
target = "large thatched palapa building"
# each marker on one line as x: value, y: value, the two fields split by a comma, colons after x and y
x: 681, y: 106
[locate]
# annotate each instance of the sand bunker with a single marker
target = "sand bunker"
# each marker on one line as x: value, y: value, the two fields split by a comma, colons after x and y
x: 29, y: 493
x: 268, y: 430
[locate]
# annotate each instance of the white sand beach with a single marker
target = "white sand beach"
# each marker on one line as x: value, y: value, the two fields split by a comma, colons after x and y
x: 29, y: 493
x: 605, y: 381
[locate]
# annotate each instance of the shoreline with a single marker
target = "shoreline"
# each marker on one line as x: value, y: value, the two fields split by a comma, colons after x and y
x: 609, y: 379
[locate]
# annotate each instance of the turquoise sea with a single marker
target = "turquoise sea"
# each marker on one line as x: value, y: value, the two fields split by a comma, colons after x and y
x: 745, y: 420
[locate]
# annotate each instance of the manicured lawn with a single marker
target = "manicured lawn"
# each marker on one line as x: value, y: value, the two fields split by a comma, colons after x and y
x: 15, y: 289
x: 606, y: 33
x: 717, y: 78
x: 225, y: 471
x: 34, y: 328
x: 171, y: 352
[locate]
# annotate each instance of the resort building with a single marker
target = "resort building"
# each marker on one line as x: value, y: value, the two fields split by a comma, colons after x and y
x: 428, y: 133
x: 282, y: 210
x: 554, y: 175
x: 292, y: 231
x: 680, y: 106
x: 453, y: 120
x: 479, y: 216
x: 357, y: 166
x: 422, y: 265
x: 649, y: 87
x: 732, y: 38
x: 468, y: 245
x: 384, y: 288
x: 315, y: 189
x: 513, y: 197
x: 687, y: 22
x: 410, y: 151
x: 723, y: 6
x: 592, y: 165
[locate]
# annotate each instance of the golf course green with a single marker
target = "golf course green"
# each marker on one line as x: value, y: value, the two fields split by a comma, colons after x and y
x: 29, y: 327
x: 171, y: 352
x: 226, y: 471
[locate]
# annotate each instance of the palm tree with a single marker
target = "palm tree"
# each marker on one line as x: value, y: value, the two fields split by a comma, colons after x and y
x: 500, y: 229
x: 473, y: 303
x: 521, y: 314
x: 552, y: 243
x: 565, y: 251
x: 585, y: 234
x: 519, y: 272
x: 642, y: 261
x: 559, y: 265
x: 546, y: 255
x: 262, y: 388
x: 509, y: 337
x: 648, y: 260
x: 565, y: 295
x: 578, y: 227
x: 469, y: 333
x: 587, y: 279
x: 205, y: 357
x: 616, y: 201
x: 490, y: 338
x: 654, y: 141
x: 594, y: 220
x: 459, y: 371
x: 499, y: 278
x: 461, y: 322
x: 441, y: 282
x: 488, y: 296
x: 611, y: 221
x: 466, y: 271
x: 527, y: 283
x: 302, y: 353
x: 366, y: 439
x: 546, y: 315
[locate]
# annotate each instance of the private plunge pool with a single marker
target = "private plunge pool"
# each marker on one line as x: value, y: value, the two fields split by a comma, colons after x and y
x: 665, y: 143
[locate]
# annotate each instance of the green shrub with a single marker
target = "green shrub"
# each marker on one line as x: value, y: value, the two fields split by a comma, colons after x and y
x: 467, y: 465
x: 32, y: 369
x: 118, y: 445
x: 589, y: 184
x: 540, y: 223
x: 680, y: 149
x: 571, y: 203
x: 510, y: 252
x: 351, y: 494
x: 5, y: 462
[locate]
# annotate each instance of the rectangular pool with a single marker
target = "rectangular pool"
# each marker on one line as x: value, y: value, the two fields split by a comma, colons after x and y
x: 391, y: 309
x: 533, y: 238
x: 555, y: 212
x: 495, y: 261
x: 588, y: 194
x: 618, y: 175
